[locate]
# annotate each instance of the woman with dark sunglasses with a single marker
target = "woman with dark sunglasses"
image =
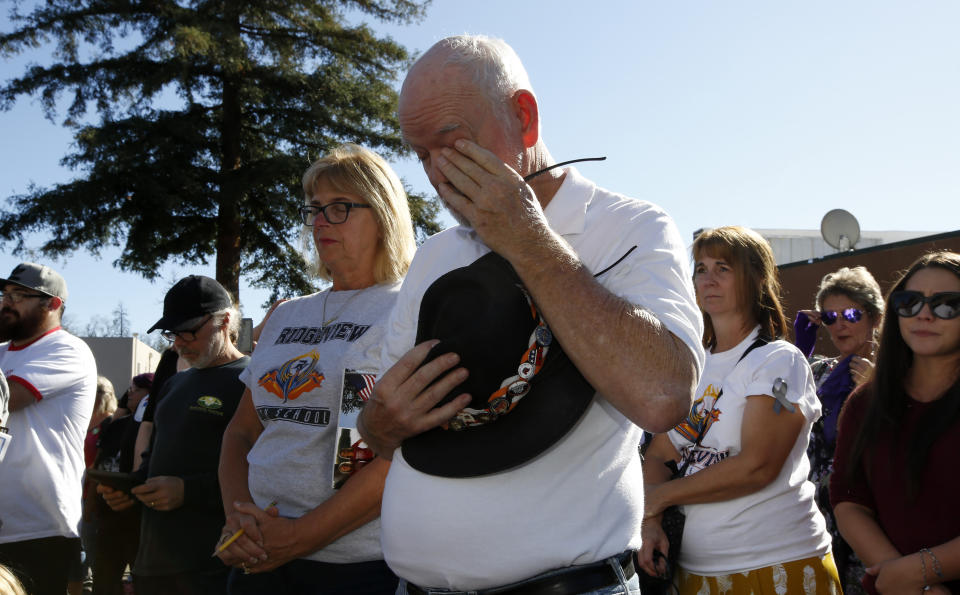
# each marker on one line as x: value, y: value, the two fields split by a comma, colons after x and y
x: 849, y: 304
x: 895, y: 484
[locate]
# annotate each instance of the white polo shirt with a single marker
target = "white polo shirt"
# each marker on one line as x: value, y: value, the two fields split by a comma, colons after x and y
x: 582, y: 500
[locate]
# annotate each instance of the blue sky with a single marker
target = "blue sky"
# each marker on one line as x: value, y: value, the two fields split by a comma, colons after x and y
x: 750, y: 112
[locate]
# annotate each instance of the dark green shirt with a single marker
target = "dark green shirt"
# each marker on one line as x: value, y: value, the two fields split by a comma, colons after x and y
x: 195, y: 407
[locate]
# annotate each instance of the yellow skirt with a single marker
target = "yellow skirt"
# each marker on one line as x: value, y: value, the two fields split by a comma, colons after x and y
x: 810, y: 576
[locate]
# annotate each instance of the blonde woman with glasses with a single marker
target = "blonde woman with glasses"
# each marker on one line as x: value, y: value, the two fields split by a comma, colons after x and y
x: 296, y: 479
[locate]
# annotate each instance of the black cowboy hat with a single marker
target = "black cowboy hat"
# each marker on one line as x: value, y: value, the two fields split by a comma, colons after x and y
x: 483, y: 313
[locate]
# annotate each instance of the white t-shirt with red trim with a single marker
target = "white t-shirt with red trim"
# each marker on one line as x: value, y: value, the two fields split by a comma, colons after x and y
x: 41, y: 475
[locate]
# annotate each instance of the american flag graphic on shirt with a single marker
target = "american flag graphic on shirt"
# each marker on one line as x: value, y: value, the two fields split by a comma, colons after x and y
x: 352, y: 453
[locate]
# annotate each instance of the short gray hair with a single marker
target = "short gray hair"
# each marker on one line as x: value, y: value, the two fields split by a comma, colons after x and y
x: 233, y: 325
x: 497, y: 70
x: 858, y: 285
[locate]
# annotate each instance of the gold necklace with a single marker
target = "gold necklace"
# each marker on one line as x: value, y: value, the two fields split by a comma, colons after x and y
x: 323, y: 314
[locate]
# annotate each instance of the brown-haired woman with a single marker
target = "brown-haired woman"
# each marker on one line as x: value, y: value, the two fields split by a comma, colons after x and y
x: 751, y: 522
x: 894, y: 486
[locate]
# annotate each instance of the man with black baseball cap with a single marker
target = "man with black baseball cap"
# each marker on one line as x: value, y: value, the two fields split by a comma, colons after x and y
x: 52, y: 380
x: 182, y: 513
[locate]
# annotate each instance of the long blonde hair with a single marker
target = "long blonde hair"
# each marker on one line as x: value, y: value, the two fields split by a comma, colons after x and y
x: 106, y: 401
x: 353, y: 169
x: 9, y: 583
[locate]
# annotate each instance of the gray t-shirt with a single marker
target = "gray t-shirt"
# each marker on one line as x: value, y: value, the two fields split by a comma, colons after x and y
x: 308, y: 381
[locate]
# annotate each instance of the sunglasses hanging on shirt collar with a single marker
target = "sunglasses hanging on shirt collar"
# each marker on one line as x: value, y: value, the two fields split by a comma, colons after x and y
x: 561, y: 164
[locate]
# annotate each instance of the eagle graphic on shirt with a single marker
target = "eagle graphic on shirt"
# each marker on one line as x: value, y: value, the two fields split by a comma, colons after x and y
x: 294, y: 378
x: 702, y: 415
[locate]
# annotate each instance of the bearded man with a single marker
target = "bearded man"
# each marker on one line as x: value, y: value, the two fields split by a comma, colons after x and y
x: 52, y: 380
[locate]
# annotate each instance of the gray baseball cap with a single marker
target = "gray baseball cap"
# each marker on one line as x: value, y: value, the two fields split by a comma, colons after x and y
x: 38, y: 278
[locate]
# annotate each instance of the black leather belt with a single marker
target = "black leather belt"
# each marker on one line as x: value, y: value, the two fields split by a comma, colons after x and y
x: 578, y: 579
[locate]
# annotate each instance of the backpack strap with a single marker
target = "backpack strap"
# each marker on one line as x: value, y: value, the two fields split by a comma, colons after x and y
x: 760, y: 342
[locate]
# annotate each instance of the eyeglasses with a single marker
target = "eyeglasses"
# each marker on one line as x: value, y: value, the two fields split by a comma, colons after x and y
x: 334, y: 213
x: 18, y: 296
x: 907, y: 304
x: 850, y: 315
x: 187, y: 335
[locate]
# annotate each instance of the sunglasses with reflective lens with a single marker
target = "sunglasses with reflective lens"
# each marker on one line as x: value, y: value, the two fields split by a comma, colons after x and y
x: 945, y: 305
x: 850, y: 315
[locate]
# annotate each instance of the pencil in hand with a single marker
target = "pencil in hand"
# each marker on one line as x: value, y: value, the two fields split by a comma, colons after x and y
x: 223, y: 545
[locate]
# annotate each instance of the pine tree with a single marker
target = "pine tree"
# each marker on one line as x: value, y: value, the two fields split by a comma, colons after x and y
x: 121, y: 322
x: 209, y: 112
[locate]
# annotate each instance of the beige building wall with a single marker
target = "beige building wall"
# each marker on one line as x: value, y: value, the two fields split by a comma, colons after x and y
x: 122, y: 358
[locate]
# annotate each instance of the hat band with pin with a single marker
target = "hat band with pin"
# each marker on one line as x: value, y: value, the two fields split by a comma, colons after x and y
x: 515, y: 387
x: 519, y: 409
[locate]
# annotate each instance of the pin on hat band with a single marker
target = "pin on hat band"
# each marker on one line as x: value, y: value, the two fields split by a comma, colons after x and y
x: 515, y: 387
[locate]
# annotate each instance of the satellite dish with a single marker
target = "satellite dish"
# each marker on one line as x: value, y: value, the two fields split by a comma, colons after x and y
x: 840, y: 229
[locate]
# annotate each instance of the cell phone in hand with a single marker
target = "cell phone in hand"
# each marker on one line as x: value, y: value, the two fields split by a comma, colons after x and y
x: 245, y: 340
x: 115, y: 479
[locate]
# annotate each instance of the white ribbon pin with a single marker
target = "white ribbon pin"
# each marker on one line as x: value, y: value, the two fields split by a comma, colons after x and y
x: 780, y: 394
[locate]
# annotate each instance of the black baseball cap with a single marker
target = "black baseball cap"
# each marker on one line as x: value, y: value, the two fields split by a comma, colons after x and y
x: 482, y: 312
x: 191, y: 298
x: 38, y: 277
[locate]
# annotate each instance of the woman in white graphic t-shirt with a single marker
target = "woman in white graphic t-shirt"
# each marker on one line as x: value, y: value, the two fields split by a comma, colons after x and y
x: 294, y: 474
x: 751, y: 521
